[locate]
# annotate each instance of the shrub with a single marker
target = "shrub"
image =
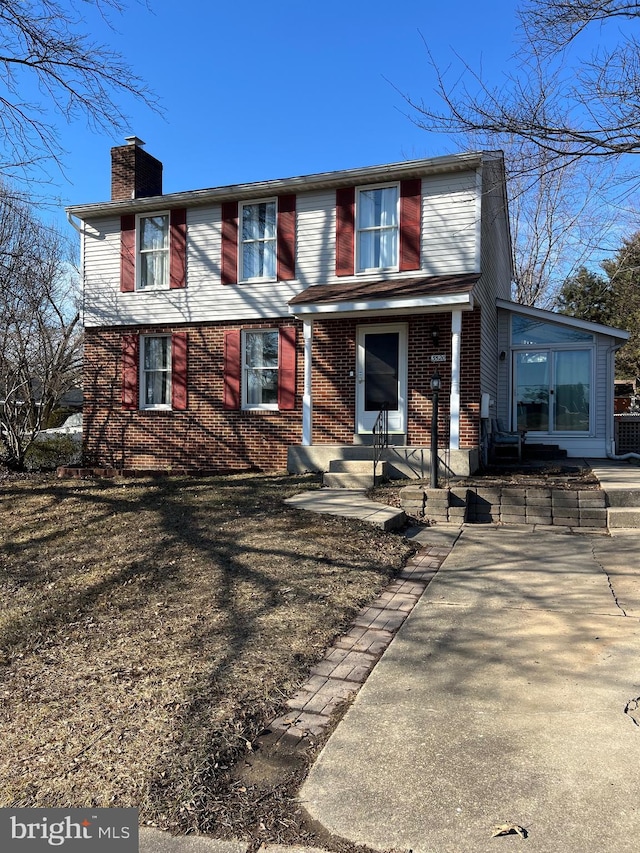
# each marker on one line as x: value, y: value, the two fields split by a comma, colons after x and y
x: 48, y: 454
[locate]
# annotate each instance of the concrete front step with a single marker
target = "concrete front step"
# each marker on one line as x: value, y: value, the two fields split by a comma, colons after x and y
x: 405, y: 462
x: 623, y: 516
x: 542, y: 451
x: 353, y: 474
x: 357, y: 466
x: 623, y: 497
x: 333, y: 480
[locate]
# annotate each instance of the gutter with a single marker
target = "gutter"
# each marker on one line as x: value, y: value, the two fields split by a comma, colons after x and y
x: 263, y: 189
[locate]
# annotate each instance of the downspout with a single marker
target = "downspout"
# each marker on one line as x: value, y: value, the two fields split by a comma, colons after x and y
x: 72, y: 223
x: 610, y: 442
x: 81, y: 232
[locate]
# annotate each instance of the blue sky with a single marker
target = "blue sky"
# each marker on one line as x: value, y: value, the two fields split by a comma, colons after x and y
x: 254, y: 91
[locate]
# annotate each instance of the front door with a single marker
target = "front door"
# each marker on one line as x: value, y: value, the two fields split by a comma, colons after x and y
x: 381, y: 377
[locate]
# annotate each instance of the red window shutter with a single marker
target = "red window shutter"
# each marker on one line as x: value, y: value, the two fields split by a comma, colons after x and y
x: 232, y: 369
x: 410, y: 219
x: 229, y: 271
x: 345, y: 230
x: 127, y: 253
x: 287, y: 368
x: 286, y: 237
x: 178, y: 248
x: 130, y: 397
x: 179, y: 387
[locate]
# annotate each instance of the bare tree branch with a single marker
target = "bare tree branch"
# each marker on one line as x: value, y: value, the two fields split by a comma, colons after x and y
x: 571, y: 105
x: 40, y: 335
x: 46, y: 51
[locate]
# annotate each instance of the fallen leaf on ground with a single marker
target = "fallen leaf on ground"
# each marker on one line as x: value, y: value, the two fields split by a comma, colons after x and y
x: 509, y: 829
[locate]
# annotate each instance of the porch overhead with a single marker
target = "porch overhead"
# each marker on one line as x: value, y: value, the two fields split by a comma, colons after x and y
x: 380, y: 296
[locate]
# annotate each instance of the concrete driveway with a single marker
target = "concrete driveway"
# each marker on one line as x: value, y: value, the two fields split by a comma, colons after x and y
x: 509, y: 696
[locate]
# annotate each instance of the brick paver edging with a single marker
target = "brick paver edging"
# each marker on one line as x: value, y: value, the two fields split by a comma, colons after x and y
x: 347, y: 664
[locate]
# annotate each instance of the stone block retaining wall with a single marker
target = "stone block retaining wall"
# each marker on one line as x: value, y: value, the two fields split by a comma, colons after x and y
x: 507, y: 505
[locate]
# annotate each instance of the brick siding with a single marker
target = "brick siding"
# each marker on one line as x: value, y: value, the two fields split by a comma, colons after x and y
x: 208, y: 437
x: 205, y: 436
x: 334, y: 380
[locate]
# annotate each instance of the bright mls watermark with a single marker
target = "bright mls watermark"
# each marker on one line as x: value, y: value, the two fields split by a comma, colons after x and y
x: 69, y: 830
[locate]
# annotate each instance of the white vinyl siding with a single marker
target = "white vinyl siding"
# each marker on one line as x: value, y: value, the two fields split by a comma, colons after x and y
x: 495, y: 263
x: 449, y: 247
x: 450, y: 244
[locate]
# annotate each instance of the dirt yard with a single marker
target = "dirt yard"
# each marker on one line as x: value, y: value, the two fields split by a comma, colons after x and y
x: 149, y: 629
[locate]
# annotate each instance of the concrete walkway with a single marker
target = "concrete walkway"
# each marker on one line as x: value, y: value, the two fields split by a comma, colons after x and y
x: 349, y: 503
x: 509, y: 695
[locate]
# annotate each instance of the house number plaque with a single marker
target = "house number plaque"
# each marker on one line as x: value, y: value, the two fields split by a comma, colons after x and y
x: 439, y: 357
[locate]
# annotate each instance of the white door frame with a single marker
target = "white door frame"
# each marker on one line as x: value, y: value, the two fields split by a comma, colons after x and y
x: 397, y: 418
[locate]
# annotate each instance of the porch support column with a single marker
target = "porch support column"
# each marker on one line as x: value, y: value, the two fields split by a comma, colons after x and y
x: 454, y: 399
x: 307, y: 407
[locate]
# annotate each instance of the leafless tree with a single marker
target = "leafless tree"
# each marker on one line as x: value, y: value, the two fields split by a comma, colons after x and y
x: 40, y: 335
x: 51, y: 69
x: 570, y: 100
x: 557, y: 220
x: 565, y: 117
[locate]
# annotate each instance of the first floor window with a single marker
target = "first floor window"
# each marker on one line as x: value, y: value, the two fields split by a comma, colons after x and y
x: 377, y: 228
x: 153, y: 251
x: 258, y: 240
x: 156, y: 372
x: 260, y: 369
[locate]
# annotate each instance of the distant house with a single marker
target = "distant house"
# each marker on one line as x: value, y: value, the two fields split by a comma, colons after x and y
x: 264, y: 325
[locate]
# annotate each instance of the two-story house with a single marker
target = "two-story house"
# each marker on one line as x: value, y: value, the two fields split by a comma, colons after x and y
x: 264, y: 325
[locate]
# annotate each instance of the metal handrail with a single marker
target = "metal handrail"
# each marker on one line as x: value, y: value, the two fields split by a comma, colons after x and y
x: 380, y: 436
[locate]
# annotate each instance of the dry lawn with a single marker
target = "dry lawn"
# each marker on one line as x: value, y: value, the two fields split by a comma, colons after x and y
x: 149, y: 629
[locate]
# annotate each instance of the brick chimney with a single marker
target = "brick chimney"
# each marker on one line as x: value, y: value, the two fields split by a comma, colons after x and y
x: 134, y: 172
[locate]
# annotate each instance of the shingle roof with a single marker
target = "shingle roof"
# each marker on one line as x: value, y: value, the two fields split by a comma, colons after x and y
x: 336, y: 292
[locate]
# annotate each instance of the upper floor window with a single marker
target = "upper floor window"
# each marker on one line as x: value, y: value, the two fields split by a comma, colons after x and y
x: 155, y: 370
x: 377, y: 228
x: 258, y: 240
x: 153, y: 251
x: 153, y: 254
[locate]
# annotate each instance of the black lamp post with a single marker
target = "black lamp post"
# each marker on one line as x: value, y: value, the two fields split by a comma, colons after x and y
x: 435, y: 390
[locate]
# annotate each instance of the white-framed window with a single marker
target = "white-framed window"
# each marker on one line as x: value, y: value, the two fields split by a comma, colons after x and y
x: 260, y: 369
x: 258, y: 238
x: 155, y: 372
x: 553, y: 376
x: 377, y: 227
x: 153, y: 251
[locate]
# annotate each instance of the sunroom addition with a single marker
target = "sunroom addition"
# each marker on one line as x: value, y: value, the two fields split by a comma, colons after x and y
x: 553, y: 376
